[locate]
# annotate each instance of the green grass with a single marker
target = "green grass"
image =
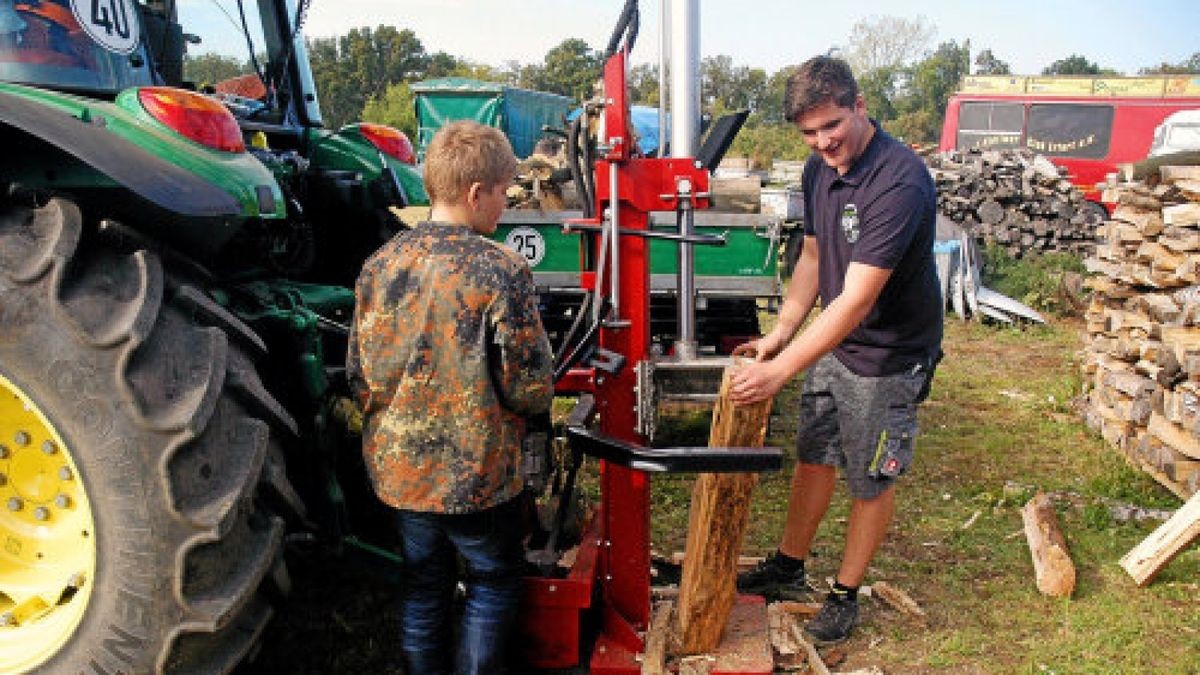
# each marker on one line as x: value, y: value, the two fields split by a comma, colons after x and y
x: 999, y: 425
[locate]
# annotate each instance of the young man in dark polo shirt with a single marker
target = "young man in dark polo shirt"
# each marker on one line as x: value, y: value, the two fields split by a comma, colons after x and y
x: 868, y: 255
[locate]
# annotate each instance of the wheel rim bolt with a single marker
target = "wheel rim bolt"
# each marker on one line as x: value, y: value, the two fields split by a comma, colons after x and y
x: 41, y: 513
x: 22, y: 438
x: 64, y: 473
x: 62, y: 501
x: 49, y: 448
x: 15, y: 504
x: 3, y: 480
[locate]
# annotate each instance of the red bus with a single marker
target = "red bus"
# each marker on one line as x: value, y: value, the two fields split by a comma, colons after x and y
x: 1088, y: 125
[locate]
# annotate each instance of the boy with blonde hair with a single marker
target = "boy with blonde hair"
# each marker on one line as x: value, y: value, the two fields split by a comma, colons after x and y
x: 447, y: 358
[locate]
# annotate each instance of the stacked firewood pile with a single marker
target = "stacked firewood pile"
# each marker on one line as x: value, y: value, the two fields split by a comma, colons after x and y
x: 1014, y: 198
x: 1142, y: 362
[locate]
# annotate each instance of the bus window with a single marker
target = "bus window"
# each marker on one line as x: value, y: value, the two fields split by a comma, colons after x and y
x: 990, y: 125
x: 1069, y: 130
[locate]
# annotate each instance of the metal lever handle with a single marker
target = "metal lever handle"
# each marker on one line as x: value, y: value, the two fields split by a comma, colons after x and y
x: 697, y: 239
x: 674, y: 460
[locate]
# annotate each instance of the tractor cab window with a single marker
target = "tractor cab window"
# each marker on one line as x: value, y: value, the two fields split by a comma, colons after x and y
x: 234, y: 48
x: 90, y: 46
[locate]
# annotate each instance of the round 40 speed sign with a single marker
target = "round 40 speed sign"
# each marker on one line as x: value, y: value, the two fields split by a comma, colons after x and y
x: 528, y: 242
x: 112, y: 24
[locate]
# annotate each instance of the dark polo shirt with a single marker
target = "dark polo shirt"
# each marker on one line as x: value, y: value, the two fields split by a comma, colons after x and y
x: 881, y: 213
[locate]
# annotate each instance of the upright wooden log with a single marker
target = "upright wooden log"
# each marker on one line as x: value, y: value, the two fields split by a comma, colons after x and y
x: 720, y: 505
x: 1051, y: 561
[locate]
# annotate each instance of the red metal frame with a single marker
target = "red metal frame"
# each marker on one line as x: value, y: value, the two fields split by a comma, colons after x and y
x: 616, y: 552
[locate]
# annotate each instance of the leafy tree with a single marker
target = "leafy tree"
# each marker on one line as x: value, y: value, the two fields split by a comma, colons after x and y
x: 571, y: 69
x: 510, y: 73
x: 334, y: 89
x: 382, y: 57
x: 930, y: 85
x: 396, y: 107
x: 643, y: 84
x: 212, y: 68
x: 351, y: 69
x: 1189, y: 66
x: 770, y: 109
x: 879, y: 89
x: 986, y: 63
x: 767, y: 142
x: 1076, y: 65
x: 441, y: 64
x: 887, y: 42
x: 726, y: 87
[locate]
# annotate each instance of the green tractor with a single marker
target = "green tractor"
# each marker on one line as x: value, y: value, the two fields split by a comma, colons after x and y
x: 176, y: 265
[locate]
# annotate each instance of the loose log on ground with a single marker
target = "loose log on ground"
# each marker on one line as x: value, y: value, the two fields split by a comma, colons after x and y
x: 1052, y: 563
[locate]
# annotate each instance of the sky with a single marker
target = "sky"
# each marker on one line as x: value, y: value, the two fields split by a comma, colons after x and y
x: 770, y: 34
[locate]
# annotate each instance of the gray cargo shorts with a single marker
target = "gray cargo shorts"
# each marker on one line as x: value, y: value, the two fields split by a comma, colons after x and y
x: 864, y: 425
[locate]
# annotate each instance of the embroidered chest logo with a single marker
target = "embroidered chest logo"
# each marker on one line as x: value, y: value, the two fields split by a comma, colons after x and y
x: 850, y: 222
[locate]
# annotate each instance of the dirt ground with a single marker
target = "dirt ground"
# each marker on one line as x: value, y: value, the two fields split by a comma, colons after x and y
x: 340, y: 618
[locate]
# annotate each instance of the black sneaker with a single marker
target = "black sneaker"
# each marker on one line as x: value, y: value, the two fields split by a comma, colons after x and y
x: 835, y: 620
x: 775, y: 579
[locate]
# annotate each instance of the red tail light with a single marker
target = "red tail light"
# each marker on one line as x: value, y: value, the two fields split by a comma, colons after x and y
x: 194, y: 116
x: 389, y: 141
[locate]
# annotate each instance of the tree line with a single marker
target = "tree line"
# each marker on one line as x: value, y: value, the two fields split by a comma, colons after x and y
x: 365, y: 75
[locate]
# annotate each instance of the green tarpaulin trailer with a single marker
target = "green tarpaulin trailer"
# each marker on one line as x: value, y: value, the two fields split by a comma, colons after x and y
x: 519, y: 113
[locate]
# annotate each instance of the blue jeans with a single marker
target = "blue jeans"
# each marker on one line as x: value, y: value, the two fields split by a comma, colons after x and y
x: 489, y: 543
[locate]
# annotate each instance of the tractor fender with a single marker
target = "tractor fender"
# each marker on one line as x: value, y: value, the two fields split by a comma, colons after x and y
x: 152, y: 178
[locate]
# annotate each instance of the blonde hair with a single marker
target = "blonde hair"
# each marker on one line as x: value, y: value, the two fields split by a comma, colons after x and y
x: 462, y: 153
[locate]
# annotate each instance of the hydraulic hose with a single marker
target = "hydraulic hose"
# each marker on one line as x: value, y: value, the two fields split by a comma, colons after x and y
x: 627, y: 27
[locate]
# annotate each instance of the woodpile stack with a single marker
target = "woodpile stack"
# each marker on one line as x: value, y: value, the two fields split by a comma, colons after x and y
x: 1142, y: 362
x: 1014, y: 198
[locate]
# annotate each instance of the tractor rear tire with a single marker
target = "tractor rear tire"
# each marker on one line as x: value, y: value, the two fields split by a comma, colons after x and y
x: 158, y: 430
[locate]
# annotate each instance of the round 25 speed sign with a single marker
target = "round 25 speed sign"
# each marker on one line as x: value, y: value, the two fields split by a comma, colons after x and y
x: 528, y: 242
x: 112, y: 24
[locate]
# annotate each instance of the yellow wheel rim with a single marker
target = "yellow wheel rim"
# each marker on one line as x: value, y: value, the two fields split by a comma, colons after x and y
x: 47, y: 536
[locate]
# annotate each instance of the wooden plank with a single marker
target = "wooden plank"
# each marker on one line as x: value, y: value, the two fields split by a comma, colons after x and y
x: 897, y: 599
x: 1181, y: 215
x: 1148, y: 222
x: 716, y: 523
x: 789, y: 654
x: 1146, y: 559
x: 816, y: 664
x: 1180, y: 239
x: 1182, y: 491
x: 1171, y: 174
x: 654, y: 659
x: 1054, y: 570
x: 1174, y: 435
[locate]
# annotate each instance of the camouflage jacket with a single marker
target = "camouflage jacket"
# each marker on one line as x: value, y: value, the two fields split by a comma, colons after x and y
x: 447, y: 357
